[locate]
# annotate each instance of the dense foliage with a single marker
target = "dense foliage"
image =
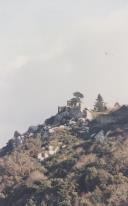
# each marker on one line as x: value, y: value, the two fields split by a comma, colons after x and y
x: 85, y: 172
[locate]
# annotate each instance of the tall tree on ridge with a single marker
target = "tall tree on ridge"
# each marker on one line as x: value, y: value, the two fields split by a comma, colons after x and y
x: 99, y: 105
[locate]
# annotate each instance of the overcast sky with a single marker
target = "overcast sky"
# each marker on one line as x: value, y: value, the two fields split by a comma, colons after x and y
x: 49, y: 49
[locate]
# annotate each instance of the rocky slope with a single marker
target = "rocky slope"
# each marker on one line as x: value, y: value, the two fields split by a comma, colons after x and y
x: 70, y: 160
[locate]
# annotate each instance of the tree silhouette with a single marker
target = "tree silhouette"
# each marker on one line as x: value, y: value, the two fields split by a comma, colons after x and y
x: 76, y: 100
x: 99, y: 105
x: 78, y: 95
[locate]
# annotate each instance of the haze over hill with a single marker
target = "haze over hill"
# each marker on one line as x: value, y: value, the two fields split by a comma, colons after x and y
x: 48, y: 50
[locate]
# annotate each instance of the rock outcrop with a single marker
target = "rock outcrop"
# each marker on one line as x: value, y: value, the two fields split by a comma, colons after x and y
x: 118, y: 118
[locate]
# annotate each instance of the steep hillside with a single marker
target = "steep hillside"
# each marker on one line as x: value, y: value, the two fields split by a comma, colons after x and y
x: 70, y: 160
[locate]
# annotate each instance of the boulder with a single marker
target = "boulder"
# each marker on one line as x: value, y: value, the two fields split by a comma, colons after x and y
x: 16, y: 134
x: 100, y: 136
x: 33, y: 129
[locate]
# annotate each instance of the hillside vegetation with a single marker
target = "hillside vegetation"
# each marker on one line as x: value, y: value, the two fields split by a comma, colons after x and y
x: 69, y: 160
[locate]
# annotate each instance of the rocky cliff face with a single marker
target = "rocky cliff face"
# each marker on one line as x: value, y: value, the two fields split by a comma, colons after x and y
x: 118, y: 118
x: 68, y: 161
x: 64, y: 116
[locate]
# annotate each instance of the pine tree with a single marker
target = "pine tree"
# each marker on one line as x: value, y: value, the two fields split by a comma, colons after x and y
x: 99, y: 105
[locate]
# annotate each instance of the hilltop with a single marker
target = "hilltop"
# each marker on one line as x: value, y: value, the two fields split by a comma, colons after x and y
x: 78, y: 157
